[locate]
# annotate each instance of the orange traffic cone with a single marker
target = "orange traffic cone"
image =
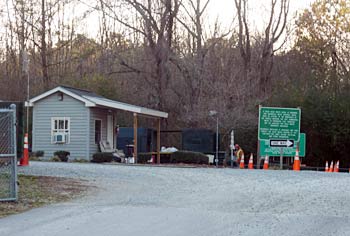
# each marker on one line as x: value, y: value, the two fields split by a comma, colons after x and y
x: 251, y: 163
x: 336, y: 169
x: 296, y: 164
x: 326, y: 169
x: 241, y: 164
x: 331, y: 167
x: 266, y: 163
x: 25, y: 159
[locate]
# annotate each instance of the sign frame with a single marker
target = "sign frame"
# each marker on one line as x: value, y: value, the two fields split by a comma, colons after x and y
x: 282, y: 143
x: 278, y: 137
x: 265, y: 149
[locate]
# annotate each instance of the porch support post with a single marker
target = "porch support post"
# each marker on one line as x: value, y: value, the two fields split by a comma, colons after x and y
x: 135, y: 137
x: 158, y: 142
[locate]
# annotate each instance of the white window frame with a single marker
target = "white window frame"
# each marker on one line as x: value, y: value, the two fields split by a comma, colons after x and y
x: 95, y: 131
x: 57, y: 130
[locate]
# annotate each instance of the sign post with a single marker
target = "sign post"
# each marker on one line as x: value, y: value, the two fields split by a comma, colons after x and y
x: 232, y: 146
x: 281, y: 158
x: 280, y: 127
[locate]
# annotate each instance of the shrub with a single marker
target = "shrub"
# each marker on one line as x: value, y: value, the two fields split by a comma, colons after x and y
x: 189, y: 157
x: 80, y: 161
x: 33, y: 158
x: 102, y: 157
x: 165, y: 158
x: 55, y: 159
x: 39, y: 153
x: 62, y: 155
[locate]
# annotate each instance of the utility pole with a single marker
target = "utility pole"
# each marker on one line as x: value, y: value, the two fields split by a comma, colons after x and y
x: 217, y: 141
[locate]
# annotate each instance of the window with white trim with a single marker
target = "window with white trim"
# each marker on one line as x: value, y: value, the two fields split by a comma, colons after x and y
x: 60, y: 130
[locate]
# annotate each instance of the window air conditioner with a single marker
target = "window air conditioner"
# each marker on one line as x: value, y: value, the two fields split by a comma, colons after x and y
x: 59, y: 138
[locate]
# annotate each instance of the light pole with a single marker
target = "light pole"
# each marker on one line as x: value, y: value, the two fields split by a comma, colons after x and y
x: 24, y: 161
x: 25, y: 69
x: 215, y: 113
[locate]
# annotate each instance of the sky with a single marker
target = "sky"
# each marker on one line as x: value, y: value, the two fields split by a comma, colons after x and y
x: 223, y: 12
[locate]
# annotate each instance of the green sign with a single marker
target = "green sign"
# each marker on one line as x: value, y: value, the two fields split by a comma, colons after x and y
x: 265, y: 148
x: 279, y: 123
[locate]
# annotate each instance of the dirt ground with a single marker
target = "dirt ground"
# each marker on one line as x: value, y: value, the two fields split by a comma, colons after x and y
x: 36, y: 191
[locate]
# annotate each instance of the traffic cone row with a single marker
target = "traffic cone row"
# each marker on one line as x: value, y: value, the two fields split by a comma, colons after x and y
x: 250, y: 164
x: 332, y: 168
x: 296, y: 164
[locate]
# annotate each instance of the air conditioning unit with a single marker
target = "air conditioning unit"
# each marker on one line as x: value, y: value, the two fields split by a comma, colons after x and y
x: 59, y: 138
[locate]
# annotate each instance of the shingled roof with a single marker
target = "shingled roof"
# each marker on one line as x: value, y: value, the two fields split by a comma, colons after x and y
x: 92, y: 99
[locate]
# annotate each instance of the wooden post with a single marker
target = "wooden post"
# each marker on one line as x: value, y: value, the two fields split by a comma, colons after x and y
x: 135, y: 137
x: 158, y: 142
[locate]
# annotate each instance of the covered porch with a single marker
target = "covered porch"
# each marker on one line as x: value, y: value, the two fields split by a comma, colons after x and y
x: 137, y: 113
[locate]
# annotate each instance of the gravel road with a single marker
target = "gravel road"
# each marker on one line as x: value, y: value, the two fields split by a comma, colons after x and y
x: 135, y: 200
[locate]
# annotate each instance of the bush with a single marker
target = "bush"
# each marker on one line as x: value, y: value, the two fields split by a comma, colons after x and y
x: 55, y: 159
x: 35, y: 156
x: 62, y: 155
x: 102, y: 157
x: 165, y: 158
x: 189, y: 157
x: 39, y: 153
x: 80, y: 161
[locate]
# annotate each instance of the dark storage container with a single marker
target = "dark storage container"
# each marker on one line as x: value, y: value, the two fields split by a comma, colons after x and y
x: 199, y: 140
x: 146, y: 139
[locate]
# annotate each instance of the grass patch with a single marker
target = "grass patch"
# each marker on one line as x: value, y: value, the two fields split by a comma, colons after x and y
x: 37, y: 191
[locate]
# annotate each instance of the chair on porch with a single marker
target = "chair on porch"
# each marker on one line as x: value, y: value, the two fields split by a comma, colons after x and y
x: 105, y: 146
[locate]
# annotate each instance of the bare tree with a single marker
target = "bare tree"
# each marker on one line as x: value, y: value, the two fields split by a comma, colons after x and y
x: 193, y: 68
x: 157, y: 24
x: 244, y: 43
x: 274, y: 29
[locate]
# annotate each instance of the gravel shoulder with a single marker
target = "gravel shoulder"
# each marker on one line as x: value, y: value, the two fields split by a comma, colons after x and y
x: 184, y: 201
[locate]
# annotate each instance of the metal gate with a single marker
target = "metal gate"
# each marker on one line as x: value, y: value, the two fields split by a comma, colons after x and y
x: 8, y: 154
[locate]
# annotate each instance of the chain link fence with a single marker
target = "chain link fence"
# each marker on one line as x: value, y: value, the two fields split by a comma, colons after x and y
x: 8, y: 154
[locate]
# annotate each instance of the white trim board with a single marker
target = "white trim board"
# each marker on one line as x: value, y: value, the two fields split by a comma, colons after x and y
x: 62, y: 90
x: 126, y: 107
x: 91, y: 101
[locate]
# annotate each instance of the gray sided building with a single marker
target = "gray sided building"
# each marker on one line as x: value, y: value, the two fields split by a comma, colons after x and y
x: 76, y: 120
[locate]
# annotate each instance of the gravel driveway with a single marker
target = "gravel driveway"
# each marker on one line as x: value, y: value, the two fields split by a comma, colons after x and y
x: 134, y: 200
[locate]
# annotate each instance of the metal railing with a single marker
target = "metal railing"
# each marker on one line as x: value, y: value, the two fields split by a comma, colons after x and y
x: 8, y: 154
